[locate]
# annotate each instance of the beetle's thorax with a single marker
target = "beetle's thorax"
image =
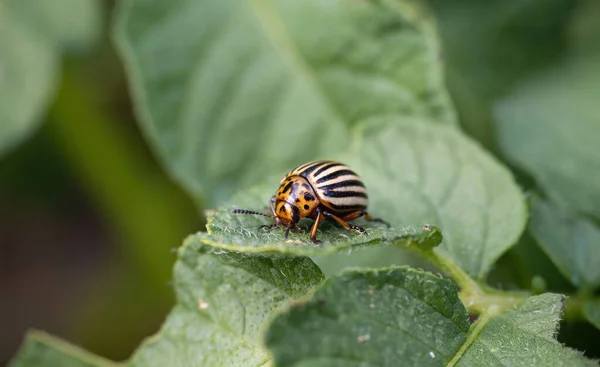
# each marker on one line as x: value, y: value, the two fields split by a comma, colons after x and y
x: 295, y: 199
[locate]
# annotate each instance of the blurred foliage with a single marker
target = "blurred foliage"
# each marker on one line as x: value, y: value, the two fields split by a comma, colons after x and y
x: 88, y: 164
x: 145, y: 211
x: 42, y: 349
x: 33, y: 35
x: 230, y: 94
x: 489, y: 46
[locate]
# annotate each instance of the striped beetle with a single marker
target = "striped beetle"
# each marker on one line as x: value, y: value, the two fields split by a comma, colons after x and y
x: 318, y: 190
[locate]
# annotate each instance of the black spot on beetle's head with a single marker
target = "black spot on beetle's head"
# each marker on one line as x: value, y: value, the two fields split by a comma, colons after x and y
x: 286, y: 187
x: 308, y: 196
x: 306, y: 207
x: 287, y: 212
x: 295, y: 214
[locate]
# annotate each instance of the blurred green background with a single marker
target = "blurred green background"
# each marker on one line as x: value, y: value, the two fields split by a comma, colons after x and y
x: 89, y: 219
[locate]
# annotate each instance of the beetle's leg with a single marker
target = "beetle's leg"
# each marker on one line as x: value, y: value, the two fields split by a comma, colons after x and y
x: 359, y: 214
x: 379, y: 220
x: 345, y: 224
x: 313, y: 231
x: 268, y: 227
x: 299, y: 229
x: 354, y: 216
x: 287, y: 232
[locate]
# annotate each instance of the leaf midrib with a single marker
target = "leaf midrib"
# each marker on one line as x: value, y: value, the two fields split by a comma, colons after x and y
x: 472, y: 336
x: 275, y: 30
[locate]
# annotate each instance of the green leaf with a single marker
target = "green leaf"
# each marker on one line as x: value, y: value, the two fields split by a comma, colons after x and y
x: 489, y: 46
x: 224, y: 300
x: 389, y: 317
x: 521, y: 337
x: 32, y: 35
x: 401, y: 316
x: 28, y: 74
x: 591, y: 311
x: 418, y: 173
x: 271, y: 81
x: 70, y: 24
x: 41, y: 349
x: 571, y: 242
x: 549, y: 127
x: 242, y: 233
x: 530, y: 264
x: 506, y: 39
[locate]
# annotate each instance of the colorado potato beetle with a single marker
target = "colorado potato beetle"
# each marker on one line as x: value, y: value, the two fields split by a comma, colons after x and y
x: 318, y: 190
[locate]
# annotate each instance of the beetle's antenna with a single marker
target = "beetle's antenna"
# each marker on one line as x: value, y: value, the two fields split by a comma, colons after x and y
x: 251, y: 212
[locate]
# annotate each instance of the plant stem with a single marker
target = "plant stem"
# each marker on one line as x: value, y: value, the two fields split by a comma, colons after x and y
x: 477, y: 298
x: 464, y: 281
x: 484, y: 300
x: 498, y: 300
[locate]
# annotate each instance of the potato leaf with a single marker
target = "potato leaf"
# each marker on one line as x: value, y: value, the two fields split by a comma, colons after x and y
x: 224, y: 299
x: 525, y: 336
x: 401, y: 316
x: 243, y: 233
x: 549, y: 127
x: 223, y: 85
x: 571, y: 241
x: 388, y: 317
x: 420, y: 173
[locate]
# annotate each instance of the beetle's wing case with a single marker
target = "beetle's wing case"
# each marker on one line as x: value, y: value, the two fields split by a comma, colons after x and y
x: 338, y: 187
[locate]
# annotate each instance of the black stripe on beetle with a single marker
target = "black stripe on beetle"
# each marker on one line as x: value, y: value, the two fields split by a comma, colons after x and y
x: 336, y: 174
x: 345, y: 194
x: 309, y: 169
x: 326, y: 167
x: 345, y: 208
x: 300, y: 168
x: 337, y: 185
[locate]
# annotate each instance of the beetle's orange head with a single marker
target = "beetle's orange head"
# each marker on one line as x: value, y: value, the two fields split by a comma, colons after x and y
x: 287, y: 213
x: 295, y: 199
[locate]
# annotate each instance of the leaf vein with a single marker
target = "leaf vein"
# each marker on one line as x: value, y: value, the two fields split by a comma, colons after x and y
x: 274, y: 28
